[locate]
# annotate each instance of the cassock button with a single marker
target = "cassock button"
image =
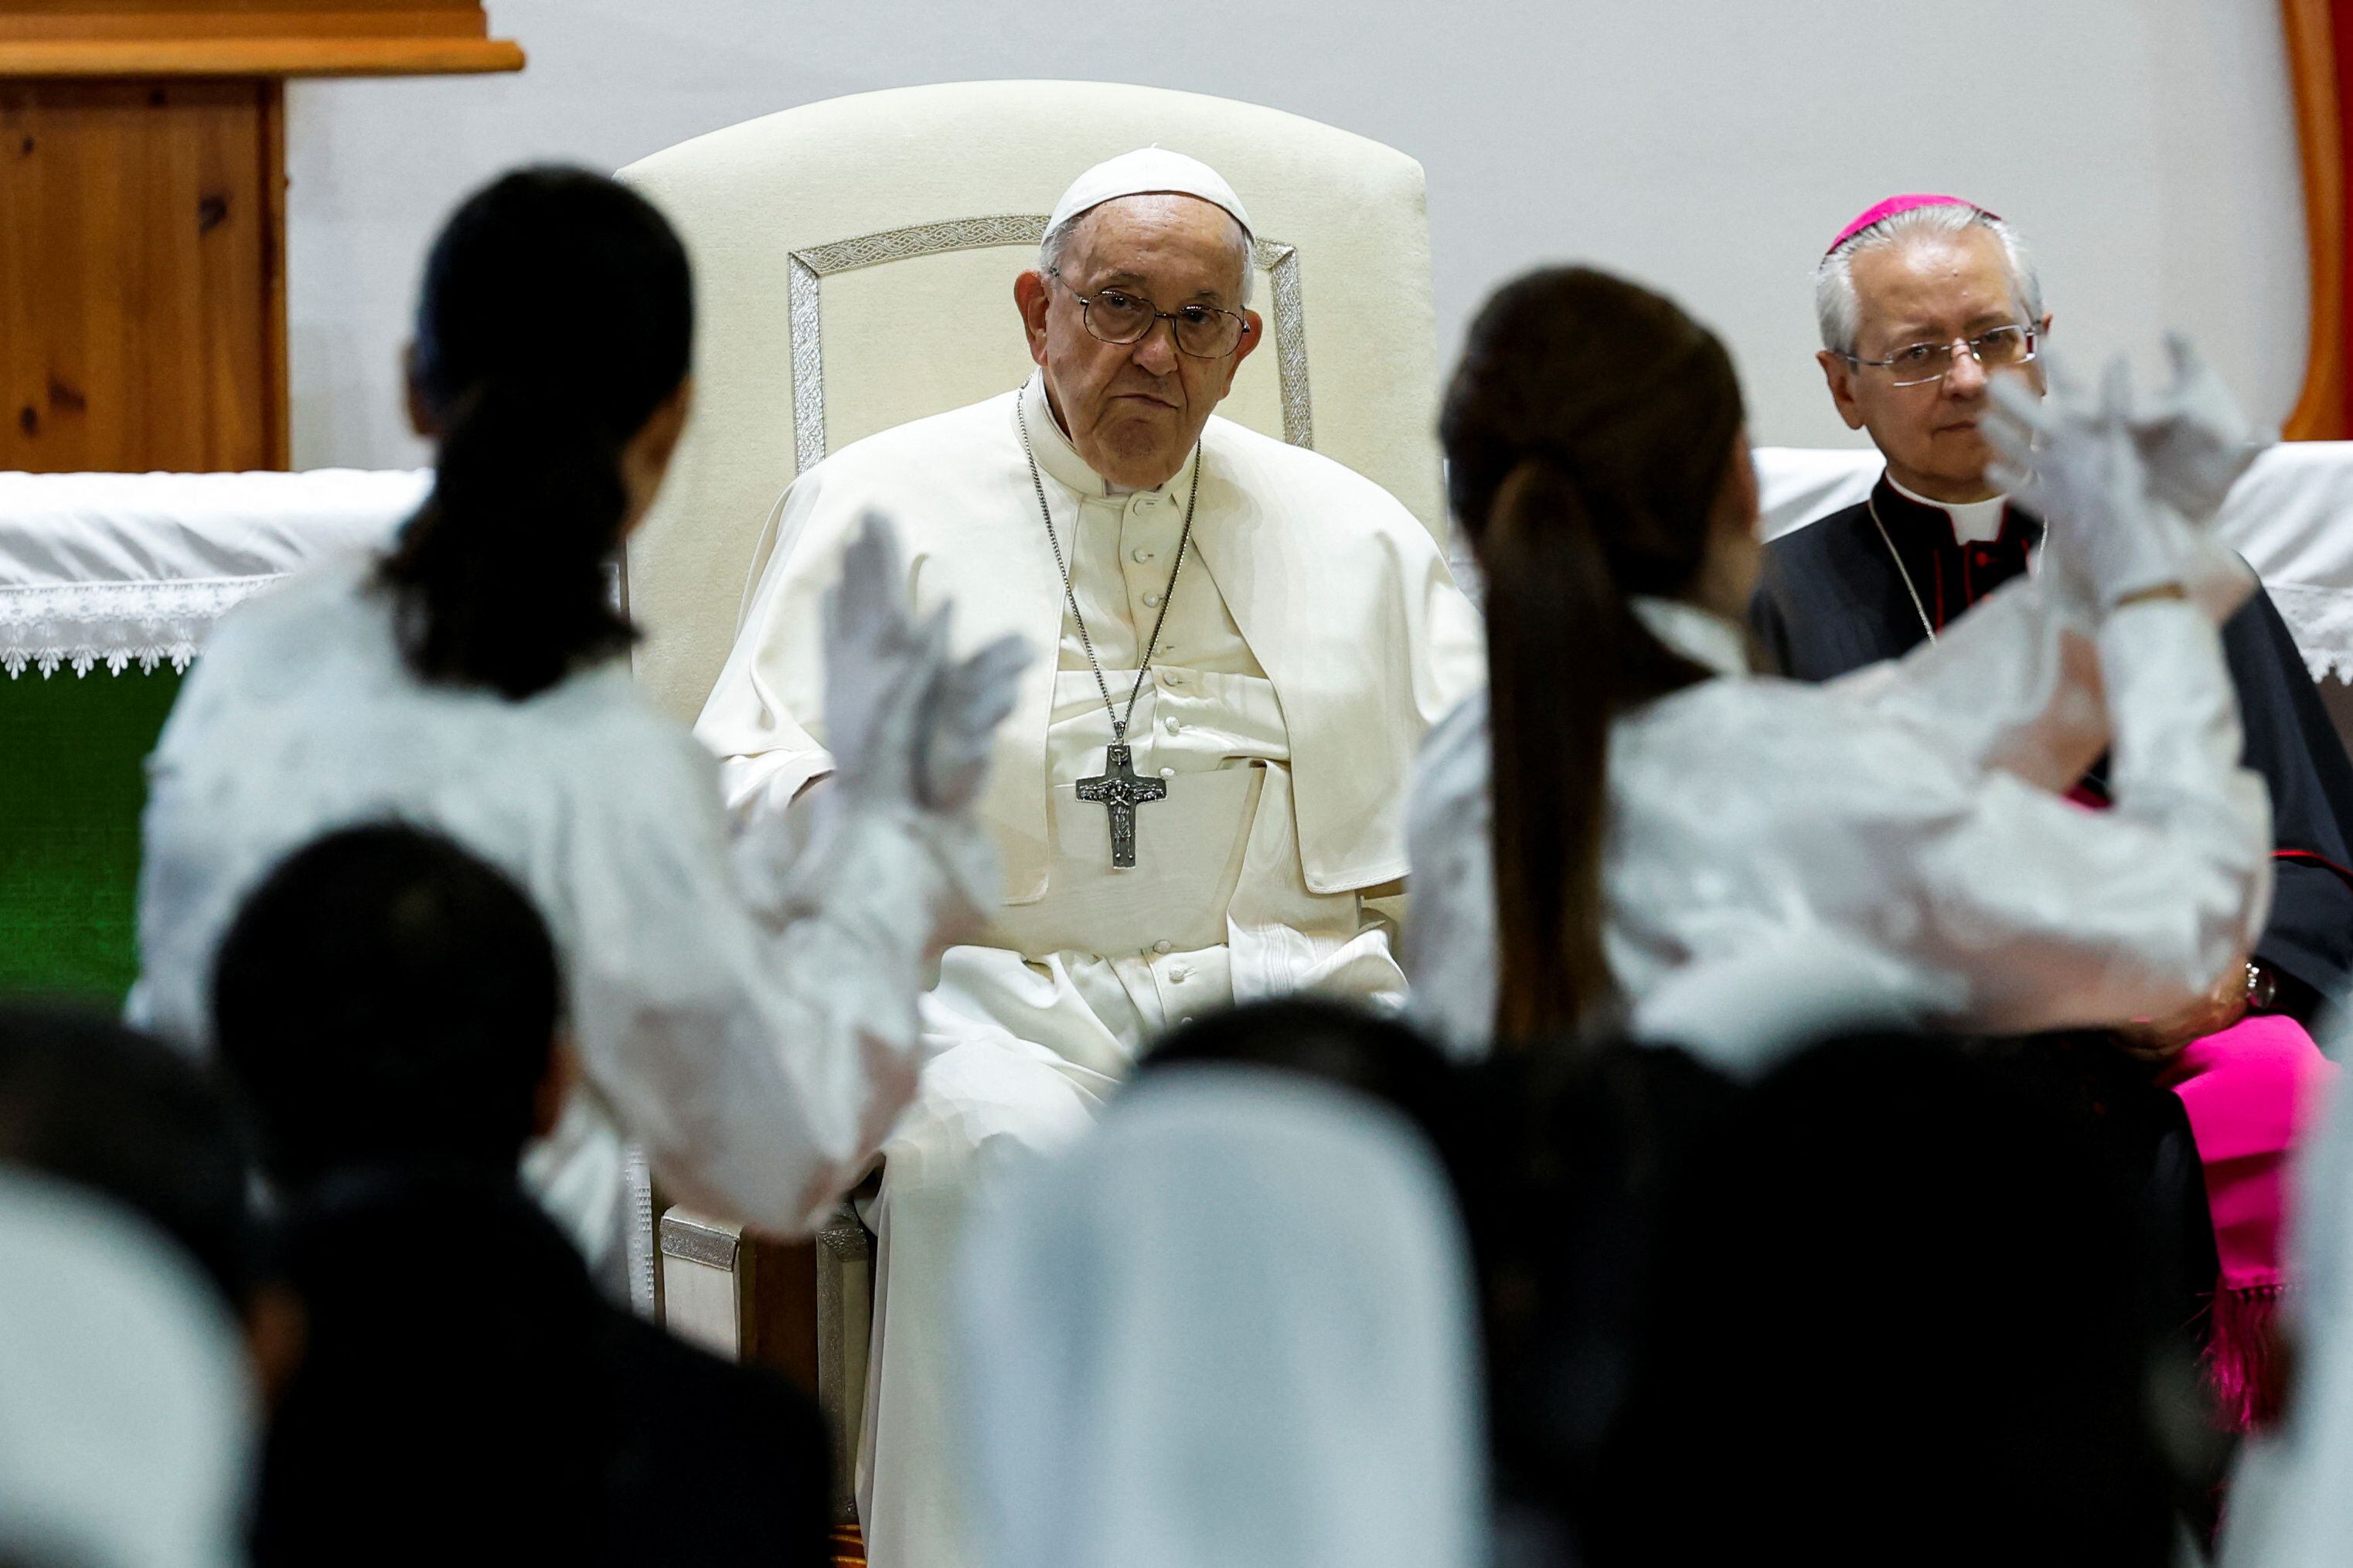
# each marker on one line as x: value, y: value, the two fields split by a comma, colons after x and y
x: 1141, y: 555
x: 1178, y: 973
x: 1173, y: 678
x: 1168, y: 772
x: 1984, y: 559
x: 1160, y: 947
x: 1151, y: 601
x: 1170, y: 724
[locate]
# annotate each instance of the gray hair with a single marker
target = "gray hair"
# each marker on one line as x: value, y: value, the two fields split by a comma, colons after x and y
x: 1058, y: 240
x: 1840, y: 313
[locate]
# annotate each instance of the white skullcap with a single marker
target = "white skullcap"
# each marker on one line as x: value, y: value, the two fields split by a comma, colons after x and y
x: 126, y: 1413
x: 1148, y: 171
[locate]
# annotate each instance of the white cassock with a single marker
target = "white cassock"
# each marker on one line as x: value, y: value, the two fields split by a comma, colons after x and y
x: 1313, y: 637
x: 745, y: 1012
x: 1898, y: 835
x: 1234, y: 1325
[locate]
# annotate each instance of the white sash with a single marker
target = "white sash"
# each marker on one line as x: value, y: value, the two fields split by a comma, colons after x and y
x: 1188, y: 856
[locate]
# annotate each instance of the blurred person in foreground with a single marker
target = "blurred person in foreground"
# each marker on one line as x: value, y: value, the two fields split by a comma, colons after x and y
x: 1560, y: 1159
x: 391, y: 1005
x: 127, y: 1403
x: 1923, y: 301
x: 1231, y: 1324
x: 1899, y: 1314
x: 1628, y: 803
x: 745, y: 1013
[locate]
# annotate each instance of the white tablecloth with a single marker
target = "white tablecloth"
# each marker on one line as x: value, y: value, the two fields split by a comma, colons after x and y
x: 115, y: 569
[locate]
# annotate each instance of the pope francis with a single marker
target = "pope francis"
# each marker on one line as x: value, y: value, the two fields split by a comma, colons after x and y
x: 1192, y: 803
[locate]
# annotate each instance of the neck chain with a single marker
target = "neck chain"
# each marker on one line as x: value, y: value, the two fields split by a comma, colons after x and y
x: 1871, y: 502
x: 1117, y: 788
x: 1070, y: 596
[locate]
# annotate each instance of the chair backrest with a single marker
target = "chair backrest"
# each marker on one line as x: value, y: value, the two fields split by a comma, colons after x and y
x: 854, y: 265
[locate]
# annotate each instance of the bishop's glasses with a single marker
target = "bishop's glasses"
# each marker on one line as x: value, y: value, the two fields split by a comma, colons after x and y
x: 1116, y: 316
x: 1917, y: 364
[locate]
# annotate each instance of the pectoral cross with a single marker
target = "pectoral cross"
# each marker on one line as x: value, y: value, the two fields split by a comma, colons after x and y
x: 1119, y: 791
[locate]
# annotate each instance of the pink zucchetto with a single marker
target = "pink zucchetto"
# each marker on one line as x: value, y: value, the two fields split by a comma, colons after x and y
x: 1894, y: 205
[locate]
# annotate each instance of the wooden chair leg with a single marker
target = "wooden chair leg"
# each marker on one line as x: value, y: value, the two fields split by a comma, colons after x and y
x: 804, y: 1308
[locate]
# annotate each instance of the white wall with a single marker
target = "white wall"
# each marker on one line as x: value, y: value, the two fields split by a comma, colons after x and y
x: 1710, y: 147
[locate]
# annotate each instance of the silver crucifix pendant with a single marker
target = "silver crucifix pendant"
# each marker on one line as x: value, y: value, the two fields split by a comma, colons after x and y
x: 1118, y: 789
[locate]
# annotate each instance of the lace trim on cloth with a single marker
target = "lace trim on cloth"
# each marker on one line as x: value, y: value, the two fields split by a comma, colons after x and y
x: 81, y: 626
x: 2321, y: 621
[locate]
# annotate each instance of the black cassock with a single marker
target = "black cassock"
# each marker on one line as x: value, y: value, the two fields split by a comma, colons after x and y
x: 1832, y: 600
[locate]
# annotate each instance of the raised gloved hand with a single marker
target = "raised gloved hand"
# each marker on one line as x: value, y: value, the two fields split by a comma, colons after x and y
x: 958, y: 719
x: 879, y: 663
x: 2194, y: 439
x: 2076, y: 463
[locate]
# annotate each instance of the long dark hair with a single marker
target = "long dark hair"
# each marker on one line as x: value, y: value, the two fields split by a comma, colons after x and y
x: 558, y: 316
x: 1588, y: 432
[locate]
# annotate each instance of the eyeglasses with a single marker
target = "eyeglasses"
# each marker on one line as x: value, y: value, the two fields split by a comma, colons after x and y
x: 1116, y: 316
x: 1917, y: 364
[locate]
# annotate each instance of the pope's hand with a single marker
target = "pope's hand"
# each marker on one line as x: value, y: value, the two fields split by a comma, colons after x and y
x: 2195, y: 439
x: 2075, y: 463
x: 879, y: 663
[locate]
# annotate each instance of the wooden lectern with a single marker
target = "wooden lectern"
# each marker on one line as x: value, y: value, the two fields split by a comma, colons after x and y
x: 142, y: 220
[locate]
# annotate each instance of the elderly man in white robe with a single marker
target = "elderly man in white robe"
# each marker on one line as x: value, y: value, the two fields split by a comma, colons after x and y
x: 1193, y: 803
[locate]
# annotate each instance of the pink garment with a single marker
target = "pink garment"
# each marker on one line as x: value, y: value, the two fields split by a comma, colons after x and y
x: 1894, y: 205
x: 2250, y: 1091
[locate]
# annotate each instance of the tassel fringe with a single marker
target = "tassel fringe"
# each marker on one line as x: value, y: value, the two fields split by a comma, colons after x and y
x: 2243, y: 1368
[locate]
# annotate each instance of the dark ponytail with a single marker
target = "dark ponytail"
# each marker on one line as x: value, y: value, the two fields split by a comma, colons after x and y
x: 557, y: 317
x: 1587, y: 433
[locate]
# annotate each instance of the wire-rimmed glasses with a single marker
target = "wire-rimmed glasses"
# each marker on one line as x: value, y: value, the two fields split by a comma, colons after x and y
x: 1116, y: 316
x: 1917, y: 364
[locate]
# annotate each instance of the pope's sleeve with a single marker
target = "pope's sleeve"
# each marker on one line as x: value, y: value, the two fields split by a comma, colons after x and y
x: 748, y: 1009
x: 764, y: 718
x: 2058, y: 916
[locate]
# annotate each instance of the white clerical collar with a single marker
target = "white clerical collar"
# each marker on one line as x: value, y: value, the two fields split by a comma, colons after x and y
x: 1701, y: 636
x: 1974, y: 521
x: 1060, y: 460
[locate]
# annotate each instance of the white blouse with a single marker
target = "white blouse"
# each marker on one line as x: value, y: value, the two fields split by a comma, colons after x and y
x: 746, y: 1013
x: 1904, y: 825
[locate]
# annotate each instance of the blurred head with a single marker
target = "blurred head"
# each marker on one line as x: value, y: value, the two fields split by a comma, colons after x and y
x: 1371, y: 1053
x: 1595, y: 455
x: 385, y: 998
x: 550, y: 362
x: 1232, y: 1323
x: 1895, y: 1264
x: 87, y: 1101
x: 1893, y: 300
x: 126, y: 1436
x: 1122, y: 270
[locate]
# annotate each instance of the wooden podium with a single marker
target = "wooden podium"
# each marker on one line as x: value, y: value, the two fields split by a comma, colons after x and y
x: 142, y: 220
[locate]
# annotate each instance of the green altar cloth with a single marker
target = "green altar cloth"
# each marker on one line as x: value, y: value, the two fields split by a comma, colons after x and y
x: 72, y: 784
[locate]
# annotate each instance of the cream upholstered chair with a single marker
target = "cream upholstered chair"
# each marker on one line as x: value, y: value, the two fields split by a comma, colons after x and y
x: 854, y: 263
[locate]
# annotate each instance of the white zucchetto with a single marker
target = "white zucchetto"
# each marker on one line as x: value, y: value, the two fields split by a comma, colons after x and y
x: 1148, y: 171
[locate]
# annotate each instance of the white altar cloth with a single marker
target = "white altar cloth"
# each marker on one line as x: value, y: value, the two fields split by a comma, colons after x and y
x: 115, y: 569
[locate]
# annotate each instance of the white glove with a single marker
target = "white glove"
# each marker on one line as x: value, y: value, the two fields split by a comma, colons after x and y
x: 958, y: 720
x: 2076, y: 464
x: 879, y: 666
x: 2195, y: 439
